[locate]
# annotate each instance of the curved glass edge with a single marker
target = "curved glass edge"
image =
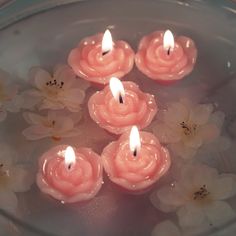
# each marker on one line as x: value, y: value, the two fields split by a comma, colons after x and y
x: 11, y: 10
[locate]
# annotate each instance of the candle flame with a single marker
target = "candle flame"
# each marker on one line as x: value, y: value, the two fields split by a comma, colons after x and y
x: 168, y: 41
x: 134, y: 140
x: 107, y: 43
x: 69, y: 157
x: 117, y: 89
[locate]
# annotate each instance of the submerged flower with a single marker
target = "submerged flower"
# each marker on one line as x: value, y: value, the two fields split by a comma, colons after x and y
x: 198, y: 196
x: 166, y: 228
x: 186, y: 127
x: 58, y: 91
x: 13, y: 178
x: 10, y: 101
x: 55, y: 124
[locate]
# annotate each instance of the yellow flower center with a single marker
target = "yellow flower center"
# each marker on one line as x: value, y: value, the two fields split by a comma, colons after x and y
x: 188, y: 128
x: 202, y: 195
x: 53, y: 88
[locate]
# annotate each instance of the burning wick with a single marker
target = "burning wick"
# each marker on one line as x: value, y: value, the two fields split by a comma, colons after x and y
x: 105, y: 53
x: 168, y: 51
x: 121, y: 99
x: 117, y: 89
x: 69, y: 157
x: 135, y: 152
x: 107, y: 43
x: 168, y: 42
x: 134, y: 141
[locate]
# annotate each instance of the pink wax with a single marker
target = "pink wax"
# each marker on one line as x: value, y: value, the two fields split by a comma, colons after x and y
x: 80, y: 182
x: 135, y: 173
x: 89, y: 63
x: 138, y: 109
x: 153, y: 60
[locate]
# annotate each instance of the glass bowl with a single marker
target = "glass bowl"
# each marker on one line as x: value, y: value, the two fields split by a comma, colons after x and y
x: 42, y: 33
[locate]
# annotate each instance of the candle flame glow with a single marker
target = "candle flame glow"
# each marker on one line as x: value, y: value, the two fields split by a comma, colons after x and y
x: 117, y: 89
x: 107, y: 43
x: 69, y: 157
x: 168, y: 41
x: 134, y: 140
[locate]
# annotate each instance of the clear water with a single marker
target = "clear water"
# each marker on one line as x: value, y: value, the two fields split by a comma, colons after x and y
x: 45, y: 39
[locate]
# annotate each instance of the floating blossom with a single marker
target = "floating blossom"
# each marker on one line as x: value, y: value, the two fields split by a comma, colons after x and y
x: 14, y: 178
x: 198, y: 196
x: 58, y: 91
x: 166, y: 228
x: 186, y: 127
x: 55, y: 124
x: 10, y: 101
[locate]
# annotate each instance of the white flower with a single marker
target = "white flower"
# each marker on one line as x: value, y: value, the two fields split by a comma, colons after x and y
x: 166, y: 228
x: 10, y: 101
x: 59, y: 91
x: 56, y: 124
x: 198, y: 196
x: 13, y: 178
x: 186, y: 127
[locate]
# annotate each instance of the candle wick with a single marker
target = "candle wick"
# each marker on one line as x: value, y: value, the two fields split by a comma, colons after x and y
x: 104, y: 53
x: 69, y: 166
x: 135, y: 152
x: 168, y: 51
x: 121, y: 99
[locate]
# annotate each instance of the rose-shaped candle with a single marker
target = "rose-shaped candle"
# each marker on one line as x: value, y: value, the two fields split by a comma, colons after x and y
x: 164, y: 59
x: 135, y: 164
x: 119, y: 106
x: 97, y: 58
x: 70, y: 174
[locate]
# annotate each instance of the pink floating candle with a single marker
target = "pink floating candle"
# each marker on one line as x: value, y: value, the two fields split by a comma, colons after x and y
x: 164, y: 59
x: 97, y: 58
x: 119, y: 106
x: 136, y: 161
x: 70, y: 174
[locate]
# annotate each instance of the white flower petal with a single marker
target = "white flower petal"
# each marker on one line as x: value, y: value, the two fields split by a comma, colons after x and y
x: 201, y: 113
x: 182, y: 150
x: 160, y: 205
x: 31, y: 98
x: 73, y: 98
x: 165, y: 133
x: 217, y: 118
x: 224, y: 187
x: 166, y: 228
x: 36, y: 132
x: 176, y: 113
x: 171, y: 196
x: 193, y: 142
x: 8, y: 200
x: 198, y: 175
x: 21, y: 179
x: 219, y: 212
x: 72, y: 133
x: 49, y: 104
x: 190, y: 215
x: 41, y: 77
x: 208, y: 132
x: 63, y: 124
x: 33, y: 118
x: 15, y: 104
x: 65, y: 74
